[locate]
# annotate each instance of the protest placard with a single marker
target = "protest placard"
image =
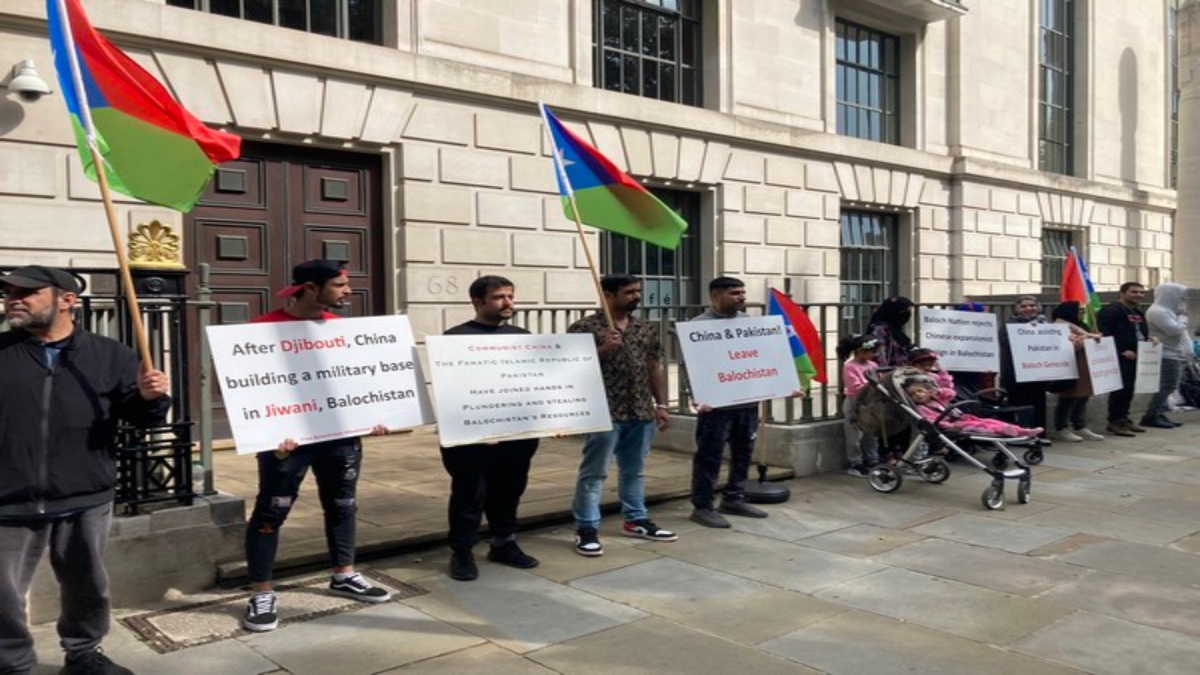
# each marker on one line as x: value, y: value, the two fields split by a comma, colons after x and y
x: 1041, y: 352
x: 510, y: 386
x: 1149, y: 368
x: 317, y: 380
x: 964, y: 341
x: 1103, y: 365
x: 738, y: 360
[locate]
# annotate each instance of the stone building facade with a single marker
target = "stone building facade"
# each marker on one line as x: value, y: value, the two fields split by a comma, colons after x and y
x: 951, y: 201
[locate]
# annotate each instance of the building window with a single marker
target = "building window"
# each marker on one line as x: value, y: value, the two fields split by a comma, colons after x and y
x: 1056, y: 246
x: 870, y: 265
x: 669, y: 278
x: 1173, y: 93
x: 1056, y: 95
x: 868, y: 83
x: 358, y: 20
x: 649, y: 48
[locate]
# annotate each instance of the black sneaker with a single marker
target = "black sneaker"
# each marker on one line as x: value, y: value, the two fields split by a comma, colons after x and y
x: 462, y: 565
x: 741, y: 509
x: 92, y: 663
x: 260, y: 613
x: 587, y: 542
x: 708, y: 517
x: 644, y: 529
x: 356, y: 586
x: 510, y: 554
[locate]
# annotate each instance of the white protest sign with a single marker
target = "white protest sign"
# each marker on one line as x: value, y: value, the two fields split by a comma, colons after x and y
x: 1103, y: 365
x: 965, y: 341
x: 317, y: 380
x: 1149, y: 368
x: 1041, y: 352
x: 734, y: 361
x: 510, y: 385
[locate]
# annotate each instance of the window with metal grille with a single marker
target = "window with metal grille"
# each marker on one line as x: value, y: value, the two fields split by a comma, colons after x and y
x: 1056, y: 96
x: 358, y: 20
x: 868, y: 83
x: 1173, y: 92
x: 870, y: 265
x: 649, y: 48
x: 1056, y: 246
x: 668, y: 277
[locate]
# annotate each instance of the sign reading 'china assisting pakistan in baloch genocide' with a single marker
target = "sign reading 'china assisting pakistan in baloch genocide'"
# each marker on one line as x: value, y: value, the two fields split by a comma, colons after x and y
x: 315, y: 381
x: 509, y: 386
x: 738, y: 360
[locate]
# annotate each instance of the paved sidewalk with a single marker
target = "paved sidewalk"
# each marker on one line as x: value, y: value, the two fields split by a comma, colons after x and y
x: 1099, y: 574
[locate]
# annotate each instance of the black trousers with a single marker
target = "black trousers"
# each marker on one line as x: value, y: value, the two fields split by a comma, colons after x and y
x: 486, y: 479
x: 336, y: 465
x: 1120, y: 400
x: 737, y: 428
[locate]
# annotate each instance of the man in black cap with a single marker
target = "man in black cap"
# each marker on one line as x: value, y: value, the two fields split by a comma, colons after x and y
x: 62, y: 392
x: 317, y: 286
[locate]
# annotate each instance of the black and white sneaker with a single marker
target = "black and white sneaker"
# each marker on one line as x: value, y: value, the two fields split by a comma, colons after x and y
x: 260, y: 613
x: 356, y: 586
x: 587, y: 542
x: 644, y: 529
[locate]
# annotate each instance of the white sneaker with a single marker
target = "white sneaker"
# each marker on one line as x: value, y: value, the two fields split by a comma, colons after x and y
x: 1088, y: 435
x: 1066, y: 435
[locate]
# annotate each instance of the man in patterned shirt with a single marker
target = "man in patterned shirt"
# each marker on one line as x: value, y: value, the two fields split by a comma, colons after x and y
x: 635, y: 380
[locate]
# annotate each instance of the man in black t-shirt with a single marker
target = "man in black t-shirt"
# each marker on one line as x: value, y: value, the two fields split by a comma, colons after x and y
x: 487, y: 477
x: 1125, y: 322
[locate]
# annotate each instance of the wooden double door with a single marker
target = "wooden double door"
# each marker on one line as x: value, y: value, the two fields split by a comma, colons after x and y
x: 275, y: 207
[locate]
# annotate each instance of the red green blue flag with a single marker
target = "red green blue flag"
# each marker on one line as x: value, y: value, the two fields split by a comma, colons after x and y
x: 802, y: 338
x: 607, y: 197
x: 1077, y: 286
x: 153, y: 149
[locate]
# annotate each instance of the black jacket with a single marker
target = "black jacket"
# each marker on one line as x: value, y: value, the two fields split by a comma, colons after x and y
x: 57, y: 427
x: 1126, y: 325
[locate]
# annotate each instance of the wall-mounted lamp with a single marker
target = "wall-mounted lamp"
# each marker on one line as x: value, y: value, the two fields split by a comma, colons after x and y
x: 26, y: 83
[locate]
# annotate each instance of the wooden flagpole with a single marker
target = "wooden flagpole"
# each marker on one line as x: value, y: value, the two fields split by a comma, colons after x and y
x: 587, y: 251
x: 135, y: 314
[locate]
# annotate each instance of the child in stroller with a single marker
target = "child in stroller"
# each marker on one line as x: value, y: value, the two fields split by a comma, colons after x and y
x: 940, y: 431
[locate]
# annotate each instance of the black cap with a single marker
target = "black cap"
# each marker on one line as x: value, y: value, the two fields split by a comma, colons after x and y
x: 314, y: 272
x: 35, y: 277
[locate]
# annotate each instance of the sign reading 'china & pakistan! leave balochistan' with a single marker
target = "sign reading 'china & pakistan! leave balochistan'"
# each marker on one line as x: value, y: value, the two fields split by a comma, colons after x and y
x: 315, y: 381
x: 738, y: 360
x: 510, y: 386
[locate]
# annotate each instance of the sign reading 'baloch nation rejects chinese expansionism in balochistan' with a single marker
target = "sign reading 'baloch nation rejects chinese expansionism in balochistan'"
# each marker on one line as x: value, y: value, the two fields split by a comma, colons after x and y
x: 738, y: 360
x: 509, y: 386
x: 316, y: 381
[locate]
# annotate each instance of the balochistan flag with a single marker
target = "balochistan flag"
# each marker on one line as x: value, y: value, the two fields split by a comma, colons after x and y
x: 607, y: 198
x: 1077, y: 286
x: 802, y: 338
x: 153, y: 149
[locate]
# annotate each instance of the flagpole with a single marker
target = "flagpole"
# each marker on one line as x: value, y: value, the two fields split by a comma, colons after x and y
x: 85, y: 111
x: 587, y: 251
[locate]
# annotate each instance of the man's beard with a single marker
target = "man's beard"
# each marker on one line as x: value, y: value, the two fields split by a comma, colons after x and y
x: 33, y: 320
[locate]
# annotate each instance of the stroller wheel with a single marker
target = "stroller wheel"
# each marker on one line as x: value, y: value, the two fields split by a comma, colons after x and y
x: 993, y: 497
x: 1023, y: 491
x: 885, y: 479
x: 935, y: 471
x: 1034, y: 456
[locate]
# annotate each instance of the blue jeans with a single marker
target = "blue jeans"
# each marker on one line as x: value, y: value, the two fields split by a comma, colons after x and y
x: 1172, y: 373
x: 630, y: 442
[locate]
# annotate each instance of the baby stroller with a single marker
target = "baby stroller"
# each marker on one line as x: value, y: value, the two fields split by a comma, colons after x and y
x: 888, y: 404
x: 992, y: 401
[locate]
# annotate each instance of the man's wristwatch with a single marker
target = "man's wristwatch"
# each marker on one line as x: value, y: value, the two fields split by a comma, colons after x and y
x: 661, y: 406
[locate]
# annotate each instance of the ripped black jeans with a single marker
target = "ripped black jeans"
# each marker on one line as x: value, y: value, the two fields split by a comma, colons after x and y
x: 336, y: 465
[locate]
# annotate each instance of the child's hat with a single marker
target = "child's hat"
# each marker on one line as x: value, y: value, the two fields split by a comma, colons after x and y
x: 921, y: 354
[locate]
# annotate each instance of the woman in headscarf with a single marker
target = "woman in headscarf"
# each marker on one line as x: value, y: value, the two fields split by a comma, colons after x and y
x: 1070, y: 414
x: 1029, y: 311
x: 887, y: 327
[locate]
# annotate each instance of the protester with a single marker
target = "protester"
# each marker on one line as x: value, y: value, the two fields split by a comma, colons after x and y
x: 635, y: 382
x: 487, y: 478
x: 922, y: 391
x: 887, y: 326
x: 1124, y: 321
x: 62, y: 392
x: 735, y: 425
x: 1070, y: 413
x: 317, y: 286
x: 1169, y: 325
x: 1033, y: 394
x: 862, y: 449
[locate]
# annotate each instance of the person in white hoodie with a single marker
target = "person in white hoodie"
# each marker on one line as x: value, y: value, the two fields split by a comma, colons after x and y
x: 1170, y: 326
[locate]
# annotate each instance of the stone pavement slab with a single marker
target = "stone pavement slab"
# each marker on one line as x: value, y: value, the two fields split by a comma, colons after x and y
x: 482, y: 660
x: 1126, y: 648
x: 1015, y: 537
x: 1143, y: 601
x: 861, y: 541
x: 1113, y: 525
x: 1139, y: 560
x: 984, y: 567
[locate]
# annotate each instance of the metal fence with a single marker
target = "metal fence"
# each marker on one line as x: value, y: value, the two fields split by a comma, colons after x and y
x: 153, y: 465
